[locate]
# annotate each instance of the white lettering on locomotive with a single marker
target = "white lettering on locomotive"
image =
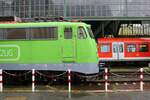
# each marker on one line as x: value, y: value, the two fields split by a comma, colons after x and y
x: 9, y: 52
x: 6, y: 52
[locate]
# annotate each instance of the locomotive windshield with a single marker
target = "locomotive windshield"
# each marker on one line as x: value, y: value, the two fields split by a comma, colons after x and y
x: 81, y: 33
x: 90, y: 32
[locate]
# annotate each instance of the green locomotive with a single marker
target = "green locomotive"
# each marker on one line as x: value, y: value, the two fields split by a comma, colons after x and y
x: 48, y: 46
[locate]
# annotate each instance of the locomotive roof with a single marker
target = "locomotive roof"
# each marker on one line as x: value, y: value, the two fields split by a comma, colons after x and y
x: 40, y: 24
x: 123, y: 39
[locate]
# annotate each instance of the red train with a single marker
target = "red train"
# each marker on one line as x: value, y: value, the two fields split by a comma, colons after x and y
x: 128, y: 50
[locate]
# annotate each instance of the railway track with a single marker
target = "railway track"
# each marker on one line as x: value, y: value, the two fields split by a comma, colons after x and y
x: 114, y: 76
x: 123, y: 76
x: 117, y: 81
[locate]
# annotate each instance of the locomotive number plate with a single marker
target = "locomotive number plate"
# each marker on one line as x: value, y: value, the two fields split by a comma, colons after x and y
x: 9, y: 52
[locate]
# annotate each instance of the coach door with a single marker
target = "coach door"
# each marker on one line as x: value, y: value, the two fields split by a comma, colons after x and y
x: 68, y: 45
x: 118, y: 50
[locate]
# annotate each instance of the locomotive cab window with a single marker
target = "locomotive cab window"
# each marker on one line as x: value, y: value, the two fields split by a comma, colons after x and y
x: 81, y: 33
x: 143, y: 47
x: 105, y: 48
x: 68, y: 33
x: 131, y: 48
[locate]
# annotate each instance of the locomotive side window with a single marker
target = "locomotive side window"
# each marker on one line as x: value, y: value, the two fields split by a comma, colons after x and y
x: 143, y: 47
x: 44, y: 33
x: 19, y: 33
x: 68, y: 33
x: 131, y: 48
x: 2, y: 35
x: 105, y: 48
x: 81, y: 33
x: 26, y: 33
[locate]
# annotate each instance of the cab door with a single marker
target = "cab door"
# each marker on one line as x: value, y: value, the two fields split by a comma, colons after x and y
x: 68, y: 45
x: 118, y: 50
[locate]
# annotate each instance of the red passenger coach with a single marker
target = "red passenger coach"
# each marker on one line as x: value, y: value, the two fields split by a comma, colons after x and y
x: 124, y: 50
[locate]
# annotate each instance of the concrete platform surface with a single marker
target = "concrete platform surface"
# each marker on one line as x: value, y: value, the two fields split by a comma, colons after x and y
x: 76, y: 96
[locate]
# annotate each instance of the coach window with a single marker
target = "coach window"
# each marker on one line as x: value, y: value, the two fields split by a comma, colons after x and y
x: 131, y: 48
x: 44, y: 33
x: 105, y: 48
x: 143, y: 47
x: 68, y: 33
x: 81, y: 33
